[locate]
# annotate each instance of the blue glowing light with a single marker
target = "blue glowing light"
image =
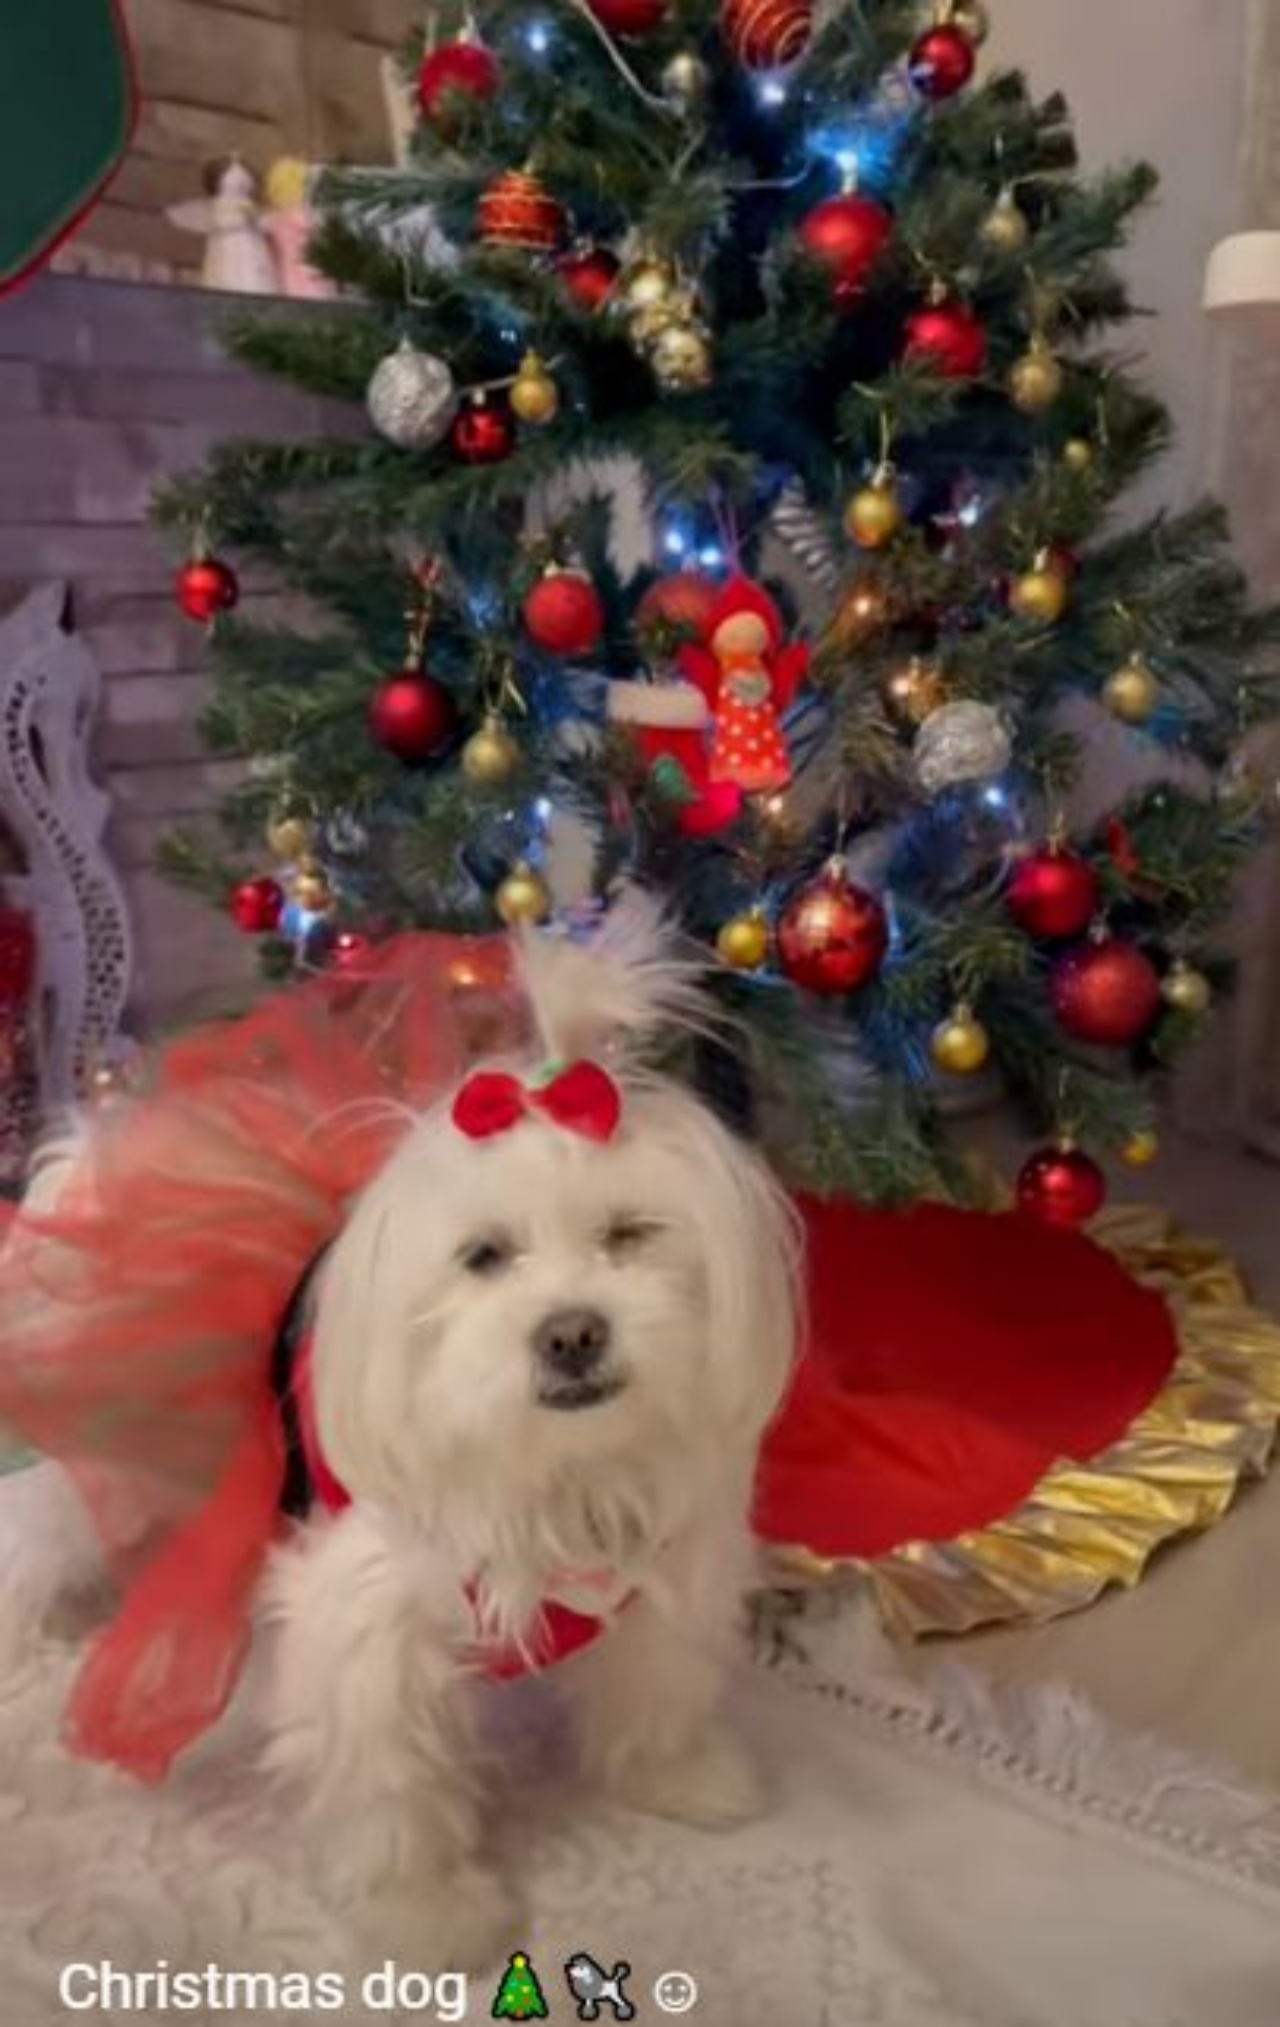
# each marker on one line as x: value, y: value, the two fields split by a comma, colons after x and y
x: 995, y: 797
x: 543, y: 809
x: 867, y: 145
x: 711, y: 557
x: 771, y: 90
x: 537, y: 37
x: 674, y: 542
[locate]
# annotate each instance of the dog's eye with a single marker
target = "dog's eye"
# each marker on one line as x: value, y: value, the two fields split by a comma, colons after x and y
x: 488, y: 1255
x: 625, y: 1235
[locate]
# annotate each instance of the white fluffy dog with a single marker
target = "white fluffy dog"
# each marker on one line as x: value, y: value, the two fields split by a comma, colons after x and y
x: 543, y: 1361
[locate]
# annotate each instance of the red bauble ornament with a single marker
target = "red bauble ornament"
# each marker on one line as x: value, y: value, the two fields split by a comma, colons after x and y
x: 1053, y: 894
x: 563, y: 613
x: 950, y: 337
x: 412, y: 716
x: 942, y: 62
x: 483, y: 432
x: 590, y: 275
x: 1107, y: 993
x: 765, y: 34
x: 205, y: 587
x: 1061, y: 1186
x: 847, y: 234
x: 257, y: 906
x: 1064, y: 560
x: 833, y: 936
x: 519, y: 210
x: 686, y: 600
x: 463, y: 68
x: 630, y: 17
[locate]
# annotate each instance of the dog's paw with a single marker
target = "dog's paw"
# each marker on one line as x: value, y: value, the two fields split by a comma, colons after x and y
x: 714, y: 1786
x: 461, y: 1917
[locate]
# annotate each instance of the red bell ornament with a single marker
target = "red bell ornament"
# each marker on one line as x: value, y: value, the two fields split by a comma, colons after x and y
x: 833, y: 936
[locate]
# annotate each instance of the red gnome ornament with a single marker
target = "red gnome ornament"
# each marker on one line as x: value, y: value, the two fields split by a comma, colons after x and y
x: 748, y: 677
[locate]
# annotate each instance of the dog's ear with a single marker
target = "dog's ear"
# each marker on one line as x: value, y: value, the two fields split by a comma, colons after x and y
x: 631, y: 980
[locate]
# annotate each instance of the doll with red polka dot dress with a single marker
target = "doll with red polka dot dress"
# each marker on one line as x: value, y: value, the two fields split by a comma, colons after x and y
x: 749, y: 675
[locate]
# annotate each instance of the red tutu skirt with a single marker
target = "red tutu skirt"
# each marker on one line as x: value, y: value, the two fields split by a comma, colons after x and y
x: 952, y: 1357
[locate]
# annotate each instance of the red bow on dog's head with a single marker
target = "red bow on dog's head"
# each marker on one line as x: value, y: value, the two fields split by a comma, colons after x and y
x: 582, y: 1098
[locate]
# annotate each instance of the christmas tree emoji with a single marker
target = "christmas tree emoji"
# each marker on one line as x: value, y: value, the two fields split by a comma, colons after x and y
x: 520, y: 1994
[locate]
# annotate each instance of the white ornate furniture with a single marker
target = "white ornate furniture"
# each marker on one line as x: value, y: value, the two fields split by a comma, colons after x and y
x: 49, y: 688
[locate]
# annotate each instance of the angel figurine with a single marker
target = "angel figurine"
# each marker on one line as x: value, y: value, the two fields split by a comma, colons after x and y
x: 236, y: 254
x: 749, y: 676
x: 289, y: 222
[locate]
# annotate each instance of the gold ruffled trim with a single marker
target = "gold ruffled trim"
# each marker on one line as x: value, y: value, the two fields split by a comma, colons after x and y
x: 1087, y: 1527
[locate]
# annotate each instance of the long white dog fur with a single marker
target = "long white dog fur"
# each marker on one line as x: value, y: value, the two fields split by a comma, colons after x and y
x: 483, y: 1463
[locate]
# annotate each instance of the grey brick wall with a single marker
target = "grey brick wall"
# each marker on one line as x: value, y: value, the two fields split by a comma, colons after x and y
x: 106, y: 388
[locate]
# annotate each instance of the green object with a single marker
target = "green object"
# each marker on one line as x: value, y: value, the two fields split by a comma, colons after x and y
x: 67, y: 106
x: 520, y: 1995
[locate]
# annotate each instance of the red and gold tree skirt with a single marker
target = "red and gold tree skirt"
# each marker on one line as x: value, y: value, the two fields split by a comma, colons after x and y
x: 997, y: 1421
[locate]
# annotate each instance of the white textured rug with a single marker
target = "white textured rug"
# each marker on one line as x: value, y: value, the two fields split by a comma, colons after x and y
x: 930, y: 1862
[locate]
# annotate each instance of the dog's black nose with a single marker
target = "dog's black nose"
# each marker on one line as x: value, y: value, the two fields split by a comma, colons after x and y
x: 572, y: 1341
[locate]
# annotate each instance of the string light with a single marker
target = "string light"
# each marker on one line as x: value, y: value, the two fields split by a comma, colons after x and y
x: 711, y: 557
x: 538, y: 37
x: 771, y: 90
x: 674, y: 542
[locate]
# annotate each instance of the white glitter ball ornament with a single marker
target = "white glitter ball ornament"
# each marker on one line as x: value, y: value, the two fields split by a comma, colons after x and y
x: 961, y: 742
x: 412, y: 398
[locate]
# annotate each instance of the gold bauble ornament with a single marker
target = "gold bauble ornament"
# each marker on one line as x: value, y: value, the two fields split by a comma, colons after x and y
x: 534, y: 395
x: 1041, y: 593
x: 1141, y: 1149
x: 681, y: 359
x: 1006, y: 227
x: 524, y: 896
x: 646, y: 326
x: 875, y: 513
x: 310, y: 888
x: 1133, y: 692
x: 1078, y: 454
x: 1186, y: 989
x: 1035, y: 380
x: 915, y: 691
x: 960, y: 1044
x: 743, y: 943
x: 490, y: 755
x: 645, y: 282
x: 972, y: 19
x: 290, y: 838
x: 685, y: 80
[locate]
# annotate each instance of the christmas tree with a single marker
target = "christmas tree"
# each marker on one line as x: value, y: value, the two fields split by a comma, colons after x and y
x: 519, y: 1996
x: 833, y: 316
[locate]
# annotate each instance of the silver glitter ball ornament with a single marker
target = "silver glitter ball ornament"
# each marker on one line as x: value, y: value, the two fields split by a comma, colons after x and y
x: 961, y: 742
x: 412, y: 398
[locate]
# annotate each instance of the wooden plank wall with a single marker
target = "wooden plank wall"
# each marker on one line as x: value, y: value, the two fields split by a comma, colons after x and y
x: 262, y: 78
x: 106, y: 388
